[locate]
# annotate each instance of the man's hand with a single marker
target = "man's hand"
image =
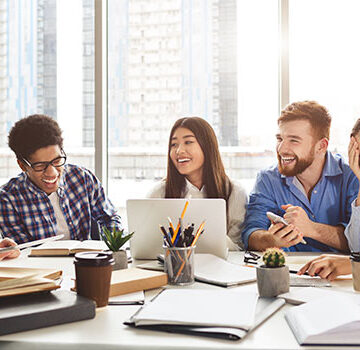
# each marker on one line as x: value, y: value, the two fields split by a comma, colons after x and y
x: 285, y: 235
x: 297, y: 216
x: 327, y: 266
x: 7, y: 242
x: 278, y: 235
x: 353, y: 153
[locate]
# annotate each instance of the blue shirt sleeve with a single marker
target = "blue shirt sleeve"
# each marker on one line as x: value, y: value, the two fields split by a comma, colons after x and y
x: 261, y: 200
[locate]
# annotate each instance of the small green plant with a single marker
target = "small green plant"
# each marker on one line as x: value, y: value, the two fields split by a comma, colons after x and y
x: 114, y: 238
x: 274, y: 257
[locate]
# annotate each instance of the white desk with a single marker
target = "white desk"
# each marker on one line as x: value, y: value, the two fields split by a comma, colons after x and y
x: 106, y: 330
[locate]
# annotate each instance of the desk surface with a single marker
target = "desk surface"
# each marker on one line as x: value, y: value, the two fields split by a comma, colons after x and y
x: 106, y: 330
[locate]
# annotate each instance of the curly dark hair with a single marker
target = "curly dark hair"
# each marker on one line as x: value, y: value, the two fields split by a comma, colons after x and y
x: 32, y: 133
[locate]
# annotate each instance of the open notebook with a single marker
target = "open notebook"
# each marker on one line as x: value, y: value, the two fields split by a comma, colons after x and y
x: 205, y: 312
x: 67, y: 247
x: 331, y: 320
x: 213, y: 270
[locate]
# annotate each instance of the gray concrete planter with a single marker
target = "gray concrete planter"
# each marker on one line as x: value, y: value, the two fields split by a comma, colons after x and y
x: 272, y: 281
x: 120, y: 259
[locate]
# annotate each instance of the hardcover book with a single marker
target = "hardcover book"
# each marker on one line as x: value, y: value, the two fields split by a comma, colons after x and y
x: 26, y: 312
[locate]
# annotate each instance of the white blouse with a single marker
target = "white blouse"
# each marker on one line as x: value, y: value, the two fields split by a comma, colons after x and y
x: 235, y: 213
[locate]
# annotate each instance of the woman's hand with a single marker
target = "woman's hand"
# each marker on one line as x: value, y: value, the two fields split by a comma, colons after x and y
x: 327, y: 266
x: 354, y: 154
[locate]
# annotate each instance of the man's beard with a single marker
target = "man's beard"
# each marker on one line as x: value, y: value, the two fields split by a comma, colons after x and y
x: 300, y: 165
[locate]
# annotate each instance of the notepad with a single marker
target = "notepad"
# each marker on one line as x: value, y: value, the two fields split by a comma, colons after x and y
x: 214, y: 270
x: 331, y: 320
x: 67, y: 247
x: 300, y: 295
x: 213, y: 309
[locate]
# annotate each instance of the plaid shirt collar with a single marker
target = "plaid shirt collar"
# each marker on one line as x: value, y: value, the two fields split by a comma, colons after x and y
x: 37, y: 191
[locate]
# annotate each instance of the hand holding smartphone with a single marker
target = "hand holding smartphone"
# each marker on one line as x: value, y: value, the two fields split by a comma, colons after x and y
x: 276, y: 218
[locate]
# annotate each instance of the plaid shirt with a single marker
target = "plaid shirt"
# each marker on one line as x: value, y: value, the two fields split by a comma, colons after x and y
x: 27, y: 214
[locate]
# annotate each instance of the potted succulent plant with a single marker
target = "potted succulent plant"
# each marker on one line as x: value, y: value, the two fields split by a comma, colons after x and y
x: 273, y: 277
x: 115, y: 239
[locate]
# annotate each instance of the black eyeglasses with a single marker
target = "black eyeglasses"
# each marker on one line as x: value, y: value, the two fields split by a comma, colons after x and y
x: 42, y: 166
x: 250, y: 257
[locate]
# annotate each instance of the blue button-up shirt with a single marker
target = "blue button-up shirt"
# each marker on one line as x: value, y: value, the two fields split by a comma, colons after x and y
x: 27, y: 214
x: 330, y: 201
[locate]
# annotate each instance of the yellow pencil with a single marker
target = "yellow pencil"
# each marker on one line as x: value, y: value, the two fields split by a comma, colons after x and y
x: 178, y: 225
x: 184, y: 210
x: 192, y: 244
x: 198, y: 233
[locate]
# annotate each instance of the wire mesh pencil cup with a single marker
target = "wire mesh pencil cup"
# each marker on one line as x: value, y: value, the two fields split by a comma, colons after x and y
x: 179, y: 265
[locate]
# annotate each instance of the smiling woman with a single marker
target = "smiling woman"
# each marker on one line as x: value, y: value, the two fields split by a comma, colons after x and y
x: 195, y: 169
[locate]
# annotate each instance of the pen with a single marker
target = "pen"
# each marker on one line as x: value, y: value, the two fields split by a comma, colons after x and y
x: 177, y: 236
x: 198, y: 233
x: 290, y: 271
x: 166, y: 236
x: 180, y: 234
x: 173, y: 233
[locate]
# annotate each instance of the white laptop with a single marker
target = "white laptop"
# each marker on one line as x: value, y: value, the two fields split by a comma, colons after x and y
x: 145, y: 216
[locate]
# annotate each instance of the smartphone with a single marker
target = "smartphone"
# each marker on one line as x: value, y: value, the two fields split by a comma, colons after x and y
x: 277, y: 218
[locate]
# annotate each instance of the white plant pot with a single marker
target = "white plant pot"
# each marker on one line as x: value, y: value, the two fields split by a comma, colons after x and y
x: 120, y: 260
x: 272, y: 281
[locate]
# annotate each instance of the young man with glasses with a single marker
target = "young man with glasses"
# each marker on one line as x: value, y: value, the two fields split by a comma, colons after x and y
x: 50, y: 197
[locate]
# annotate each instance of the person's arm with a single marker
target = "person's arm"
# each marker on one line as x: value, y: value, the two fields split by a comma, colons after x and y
x: 102, y: 210
x: 256, y: 234
x: 332, y: 236
x: 327, y: 266
x: 236, y: 209
x: 7, y: 242
x: 353, y: 228
x: 278, y: 235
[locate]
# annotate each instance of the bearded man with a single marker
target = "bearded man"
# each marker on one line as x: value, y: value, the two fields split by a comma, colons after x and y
x: 310, y: 187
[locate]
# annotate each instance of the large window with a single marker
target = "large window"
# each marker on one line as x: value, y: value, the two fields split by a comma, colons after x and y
x: 46, y: 66
x: 218, y: 59
x: 324, y: 60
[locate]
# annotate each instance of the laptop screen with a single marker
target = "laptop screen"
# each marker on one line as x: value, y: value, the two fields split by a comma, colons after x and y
x: 146, y: 215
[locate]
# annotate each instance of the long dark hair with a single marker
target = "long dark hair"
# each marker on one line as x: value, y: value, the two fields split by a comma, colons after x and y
x: 215, y: 180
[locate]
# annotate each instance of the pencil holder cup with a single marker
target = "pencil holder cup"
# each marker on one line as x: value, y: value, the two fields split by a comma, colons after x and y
x: 355, y: 266
x: 179, y: 265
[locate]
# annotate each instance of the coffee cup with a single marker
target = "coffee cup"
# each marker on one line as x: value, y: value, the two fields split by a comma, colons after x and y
x: 93, y: 275
x: 355, y: 266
